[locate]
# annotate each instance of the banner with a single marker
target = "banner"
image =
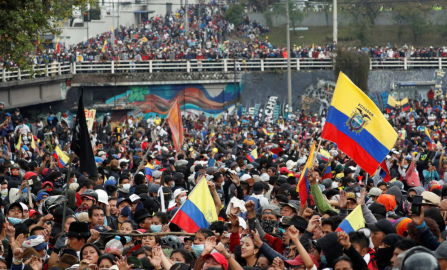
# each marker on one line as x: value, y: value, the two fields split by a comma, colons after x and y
x: 90, y: 118
x: 174, y: 119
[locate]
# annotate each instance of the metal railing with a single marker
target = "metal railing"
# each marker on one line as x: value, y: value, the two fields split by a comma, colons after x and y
x: 206, y: 65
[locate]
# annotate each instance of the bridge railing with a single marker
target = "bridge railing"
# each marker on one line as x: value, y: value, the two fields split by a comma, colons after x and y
x: 206, y: 65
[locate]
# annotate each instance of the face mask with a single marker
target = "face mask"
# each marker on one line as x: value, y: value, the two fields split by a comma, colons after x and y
x: 4, y: 193
x: 14, y: 221
x: 323, y: 259
x: 269, y: 225
x: 173, y: 185
x: 185, y: 148
x: 25, y: 138
x: 383, y: 257
x: 220, y: 137
x: 126, y: 186
x: 190, y: 144
x: 238, y: 169
x: 182, y: 199
x: 125, y: 212
x: 198, y: 249
x: 405, y: 166
x: 128, y: 239
x: 156, y: 228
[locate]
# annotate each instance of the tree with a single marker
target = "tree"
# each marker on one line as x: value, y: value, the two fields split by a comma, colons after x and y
x: 279, y: 10
x: 354, y: 65
x: 369, y: 9
x: 24, y: 22
x: 415, y: 17
x: 234, y: 14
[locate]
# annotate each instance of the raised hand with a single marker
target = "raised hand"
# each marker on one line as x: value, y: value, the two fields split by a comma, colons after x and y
x: 250, y: 206
x: 293, y: 232
x: 122, y: 265
x: 278, y: 264
x: 256, y: 238
x: 210, y: 244
x: 343, y: 239
x: 343, y: 199
x: 361, y: 198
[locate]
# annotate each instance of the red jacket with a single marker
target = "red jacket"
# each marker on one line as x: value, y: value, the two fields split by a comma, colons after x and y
x: 235, y: 240
x: 275, y: 242
x: 78, y: 199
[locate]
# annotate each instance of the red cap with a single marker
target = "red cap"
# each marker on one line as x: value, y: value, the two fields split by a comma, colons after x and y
x: 32, y: 212
x: 28, y: 175
x: 219, y: 259
x: 283, y: 170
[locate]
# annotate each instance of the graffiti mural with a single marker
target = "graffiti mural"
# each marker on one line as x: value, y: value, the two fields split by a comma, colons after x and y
x: 146, y: 101
x: 318, y: 94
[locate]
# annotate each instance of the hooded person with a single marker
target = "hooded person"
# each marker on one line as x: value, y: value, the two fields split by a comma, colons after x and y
x: 396, y: 192
x: 411, y: 192
x: 331, y: 249
x: 385, y: 251
x: 389, y: 202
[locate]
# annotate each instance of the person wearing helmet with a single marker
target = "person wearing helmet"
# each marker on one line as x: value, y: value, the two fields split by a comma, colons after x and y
x: 89, y: 197
x: 15, y: 172
x: 172, y: 241
x: 87, y: 184
x: 419, y: 258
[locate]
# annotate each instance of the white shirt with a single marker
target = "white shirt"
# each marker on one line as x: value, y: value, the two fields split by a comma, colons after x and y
x: 262, y: 200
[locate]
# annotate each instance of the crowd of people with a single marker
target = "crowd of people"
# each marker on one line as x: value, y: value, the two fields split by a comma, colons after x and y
x: 251, y: 168
x: 210, y: 37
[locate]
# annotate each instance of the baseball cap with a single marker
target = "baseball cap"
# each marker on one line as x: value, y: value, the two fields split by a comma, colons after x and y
x: 35, y: 241
x: 178, y: 192
x: 134, y: 198
x: 376, y: 192
x: 100, y: 228
x: 154, y: 188
x: 258, y: 187
x: 272, y: 209
x: 351, y: 196
x: 283, y: 170
x: 220, y: 259
x: 382, y: 225
x: 210, y: 170
x: 156, y: 174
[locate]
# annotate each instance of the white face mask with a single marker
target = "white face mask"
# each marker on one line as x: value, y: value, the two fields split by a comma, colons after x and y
x: 238, y: 169
x: 126, y: 186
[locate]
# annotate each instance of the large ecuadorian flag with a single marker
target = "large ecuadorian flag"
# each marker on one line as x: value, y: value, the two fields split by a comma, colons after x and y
x: 357, y: 126
x: 198, y: 211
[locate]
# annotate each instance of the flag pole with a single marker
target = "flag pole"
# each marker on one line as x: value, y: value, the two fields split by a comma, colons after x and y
x: 149, y: 148
x: 203, y: 177
x: 66, y: 191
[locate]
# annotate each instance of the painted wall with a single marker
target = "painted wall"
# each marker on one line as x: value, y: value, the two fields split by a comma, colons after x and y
x: 260, y: 94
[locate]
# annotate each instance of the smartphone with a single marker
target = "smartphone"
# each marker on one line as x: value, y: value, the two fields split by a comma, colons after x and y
x: 30, y: 182
x: 416, y: 204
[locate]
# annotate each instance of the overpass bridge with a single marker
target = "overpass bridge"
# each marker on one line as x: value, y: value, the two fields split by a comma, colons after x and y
x: 256, y: 86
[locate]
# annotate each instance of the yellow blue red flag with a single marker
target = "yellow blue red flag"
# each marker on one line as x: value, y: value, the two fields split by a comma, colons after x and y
x: 198, y: 211
x: 357, y: 126
x: 303, y: 184
x: 353, y: 222
x: 62, y: 159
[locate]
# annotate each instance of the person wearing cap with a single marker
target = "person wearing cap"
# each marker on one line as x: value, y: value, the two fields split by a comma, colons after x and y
x: 87, y: 184
x: 374, y: 193
x: 179, y: 198
x: 123, y: 206
x: 78, y: 235
x: 15, y: 213
x: 258, y: 193
x: 38, y: 243
x: 379, y: 230
x: 289, y: 210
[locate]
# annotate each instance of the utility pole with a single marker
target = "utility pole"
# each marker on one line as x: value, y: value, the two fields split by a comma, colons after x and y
x: 335, y: 21
x: 289, y: 69
x: 118, y: 15
x: 186, y: 19
x: 113, y: 24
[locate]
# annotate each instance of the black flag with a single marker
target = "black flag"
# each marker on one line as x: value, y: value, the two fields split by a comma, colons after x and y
x: 80, y: 144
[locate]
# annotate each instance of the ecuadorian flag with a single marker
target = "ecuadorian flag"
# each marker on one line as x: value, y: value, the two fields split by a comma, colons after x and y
x: 353, y: 222
x: 303, y: 184
x: 62, y: 159
x: 357, y: 126
x: 252, y: 155
x: 428, y: 138
x: 198, y: 211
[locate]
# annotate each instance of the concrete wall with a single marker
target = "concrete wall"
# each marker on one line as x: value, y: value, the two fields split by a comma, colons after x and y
x: 261, y: 94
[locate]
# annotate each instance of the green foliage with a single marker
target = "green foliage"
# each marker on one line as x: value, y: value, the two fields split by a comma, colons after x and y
x: 234, y: 14
x: 413, y: 16
x: 362, y: 29
x: 25, y: 21
x: 355, y: 66
x: 368, y: 9
x: 279, y: 10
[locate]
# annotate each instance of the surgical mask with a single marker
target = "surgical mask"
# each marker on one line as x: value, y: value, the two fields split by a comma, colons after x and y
x: 185, y: 148
x: 220, y: 137
x: 25, y: 138
x: 128, y: 239
x: 198, y: 249
x: 4, y: 193
x: 182, y: 199
x: 156, y: 228
x: 173, y: 185
x: 405, y: 166
x: 238, y: 169
x: 190, y: 144
x: 14, y: 221
x: 125, y: 212
x: 126, y: 186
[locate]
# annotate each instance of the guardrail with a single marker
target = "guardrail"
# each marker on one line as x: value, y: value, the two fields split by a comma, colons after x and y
x: 206, y: 65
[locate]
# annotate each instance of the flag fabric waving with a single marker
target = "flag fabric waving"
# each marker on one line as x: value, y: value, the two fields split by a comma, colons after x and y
x: 174, y: 119
x: 357, y: 126
x: 61, y: 158
x: 384, y: 172
x: 81, y: 144
x: 303, y: 184
x: 104, y: 47
x: 428, y: 138
x: 328, y: 172
x: 252, y: 155
x: 58, y: 46
x: 353, y: 222
x: 198, y: 211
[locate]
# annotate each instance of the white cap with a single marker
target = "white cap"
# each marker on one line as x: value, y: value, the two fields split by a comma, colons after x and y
x: 242, y: 223
x: 24, y: 206
x: 245, y: 177
x: 134, y: 197
x: 178, y: 192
